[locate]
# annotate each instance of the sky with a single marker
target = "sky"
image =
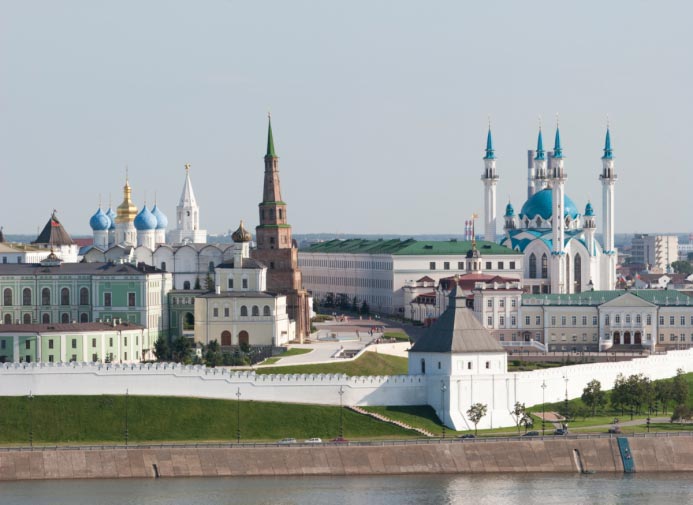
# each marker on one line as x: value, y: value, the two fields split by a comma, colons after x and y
x: 379, y: 108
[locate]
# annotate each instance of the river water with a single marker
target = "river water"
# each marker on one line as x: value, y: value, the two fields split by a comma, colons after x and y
x: 521, y: 489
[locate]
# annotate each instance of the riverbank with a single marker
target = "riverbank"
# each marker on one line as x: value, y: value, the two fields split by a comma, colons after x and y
x: 647, y: 453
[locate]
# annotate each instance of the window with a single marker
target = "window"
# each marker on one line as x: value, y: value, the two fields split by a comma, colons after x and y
x: 563, y: 320
x: 84, y: 296
x: 215, y: 312
x: 210, y: 267
x: 244, y: 311
x: 573, y: 320
x: 513, y: 321
x: 527, y: 320
x: 469, y: 365
x: 65, y: 296
x: 446, y: 265
x: 537, y: 320
x: 226, y: 312
x: 27, y: 318
x: 432, y: 265
x: 553, y: 320
x: 93, y: 342
x: 500, y: 265
x: 163, y: 266
x: 65, y: 318
x: 661, y: 320
x: 439, y: 365
x: 584, y: 320
x: 544, y: 267
x: 125, y: 341
x: 74, y: 343
x: 7, y: 297
x: 107, y: 299
x: 46, y: 318
x: 501, y: 321
x: 488, y: 265
x: 50, y: 343
x: 26, y: 296
x: 648, y: 319
x: 460, y: 265
x: 186, y: 285
x: 230, y: 283
x: 488, y: 364
x: 51, y: 359
x: 627, y: 318
x: 84, y: 317
x: 266, y: 311
x: 110, y: 342
x: 45, y: 296
x: 512, y: 265
x: 606, y: 320
x: 27, y: 344
x: 617, y: 318
x: 245, y: 283
x: 131, y: 299
x: 256, y: 310
x: 489, y: 303
x: 671, y: 320
x: 513, y: 303
x: 501, y: 302
x: 594, y: 320
x: 683, y: 320
x: 489, y: 320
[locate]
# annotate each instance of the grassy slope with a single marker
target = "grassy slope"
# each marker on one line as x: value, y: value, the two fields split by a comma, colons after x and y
x: 295, y: 351
x: 369, y: 363
x: 67, y: 419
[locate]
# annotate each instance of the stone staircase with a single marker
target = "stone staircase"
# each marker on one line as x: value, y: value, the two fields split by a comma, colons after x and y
x: 386, y: 419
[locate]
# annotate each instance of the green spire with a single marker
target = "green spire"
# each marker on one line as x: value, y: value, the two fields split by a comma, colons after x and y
x: 608, y: 152
x: 270, y: 139
x: 540, y: 147
x: 557, y: 150
x: 489, y: 146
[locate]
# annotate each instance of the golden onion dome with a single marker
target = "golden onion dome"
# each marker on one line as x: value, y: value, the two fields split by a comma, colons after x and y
x: 126, y: 211
x: 241, y: 234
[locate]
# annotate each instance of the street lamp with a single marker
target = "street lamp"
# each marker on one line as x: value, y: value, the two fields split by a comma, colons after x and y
x: 126, y: 418
x: 565, y: 378
x: 543, y: 421
x: 238, y: 416
x: 443, y: 389
x: 341, y: 413
x: 31, y: 421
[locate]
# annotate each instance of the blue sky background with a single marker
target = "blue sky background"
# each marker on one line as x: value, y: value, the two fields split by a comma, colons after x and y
x: 379, y: 107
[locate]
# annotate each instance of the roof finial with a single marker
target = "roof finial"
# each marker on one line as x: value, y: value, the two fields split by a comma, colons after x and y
x: 110, y: 200
x: 127, y: 175
x: 154, y: 198
x: 607, y: 121
x: 539, y: 122
x: 99, y: 200
x: 187, y: 167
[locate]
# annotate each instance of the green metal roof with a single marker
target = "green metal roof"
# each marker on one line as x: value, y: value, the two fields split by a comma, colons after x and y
x: 270, y: 141
x: 656, y: 296
x: 408, y: 247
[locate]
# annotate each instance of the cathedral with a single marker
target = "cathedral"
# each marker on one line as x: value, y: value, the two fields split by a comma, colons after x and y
x: 561, y: 252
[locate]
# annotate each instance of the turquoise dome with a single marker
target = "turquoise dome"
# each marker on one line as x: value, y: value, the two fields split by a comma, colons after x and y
x: 541, y: 204
x: 112, y: 216
x: 509, y: 210
x: 145, y: 220
x: 100, y: 221
x: 161, y: 219
x: 589, y: 211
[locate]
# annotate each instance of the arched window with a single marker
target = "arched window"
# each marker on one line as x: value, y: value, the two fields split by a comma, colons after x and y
x: 256, y: 310
x: 266, y: 311
x: 280, y: 213
x: 84, y: 296
x: 64, y: 296
x: 8, y: 319
x: 544, y: 267
x: 210, y: 267
x: 188, y: 321
x: 186, y: 285
x: 84, y: 317
x: 423, y: 366
x: 243, y: 338
x: 26, y: 296
x: 163, y: 266
x: 27, y: 318
x: 244, y: 311
x: 7, y: 297
x: 46, y: 318
x: 532, y: 266
x: 65, y: 318
x: 225, y: 337
x: 577, y: 272
x: 45, y: 296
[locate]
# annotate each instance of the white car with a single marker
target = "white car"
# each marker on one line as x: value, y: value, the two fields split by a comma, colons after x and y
x: 287, y: 441
x: 314, y: 441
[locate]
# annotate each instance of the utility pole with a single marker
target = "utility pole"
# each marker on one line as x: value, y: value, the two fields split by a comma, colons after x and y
x: 238, y: 416
x: 126, y: 418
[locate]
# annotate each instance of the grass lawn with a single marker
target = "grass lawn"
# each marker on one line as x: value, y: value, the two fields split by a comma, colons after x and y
x: 84, y: 419
x: 294, y: 351
x: 525, y: 366
x: 397, y: 335
x: 369, y: 363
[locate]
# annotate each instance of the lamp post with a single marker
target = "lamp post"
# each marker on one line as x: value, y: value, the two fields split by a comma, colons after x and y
x: 341, y: 412
x: 543, y: 421
x: 443, y: 389
x: 567, y: 416
x: 238, y: 416
x: 126, y: 418
x: 31, y: 421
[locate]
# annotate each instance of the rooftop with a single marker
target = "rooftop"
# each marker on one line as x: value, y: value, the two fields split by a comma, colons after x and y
x: 66, y: 327
x: 408, y: 247
x: 96, y: 268
x: 666, y: 297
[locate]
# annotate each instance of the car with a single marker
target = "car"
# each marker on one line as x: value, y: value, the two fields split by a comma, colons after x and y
x: 315, y: 440
x: 531, y: 434
x: 284, y: 441
x: 339, y: 440
x: 467, y: 435
x: 560, y: 431
x: 615, y: 430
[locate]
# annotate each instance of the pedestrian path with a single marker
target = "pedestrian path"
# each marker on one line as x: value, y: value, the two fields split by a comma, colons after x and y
x: 386, y: 419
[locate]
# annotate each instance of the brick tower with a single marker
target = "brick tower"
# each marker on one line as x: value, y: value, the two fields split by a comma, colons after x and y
x: 275, y: 247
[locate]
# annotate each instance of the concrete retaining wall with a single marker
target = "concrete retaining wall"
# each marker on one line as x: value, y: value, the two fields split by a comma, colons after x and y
x: 660, y: 454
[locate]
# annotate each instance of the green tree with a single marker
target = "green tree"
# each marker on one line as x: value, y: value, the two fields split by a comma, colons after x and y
x: 209, y: 282
x: 619, y: 394
x: 682, y: 267
x: 475, y: 413
x: 213, y: 356
x: 518, y: 412
x: 355, y: 305
x: 526, y: 421
x: 681, y: 413
x: 161, y: 350
x: 593, y: 396
x: 663, y: 392
x: 365, y: 309
x: 180, y: 350
x: 679, y: 388
x: 197, y: 284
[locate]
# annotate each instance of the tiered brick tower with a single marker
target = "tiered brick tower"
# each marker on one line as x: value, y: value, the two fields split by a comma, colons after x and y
x: 276, y: 249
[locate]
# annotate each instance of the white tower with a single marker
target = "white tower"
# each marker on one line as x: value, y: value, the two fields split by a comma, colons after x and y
x: 559, y: 277
x: 188, y: 216
x: 490, y: 181
x: 608, y: 178
x: 540, y: 175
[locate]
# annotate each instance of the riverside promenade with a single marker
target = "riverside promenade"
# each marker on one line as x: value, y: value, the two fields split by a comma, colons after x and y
x: 662, y: 452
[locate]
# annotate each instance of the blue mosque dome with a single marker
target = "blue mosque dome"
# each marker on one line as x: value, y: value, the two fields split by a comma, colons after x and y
x: 161, y: 219
x: 145, y: 220
x: 509, y: 210
x: 112, y: 216
x: 100, y: 221
x: 589, y: 211
x: 541, y: 204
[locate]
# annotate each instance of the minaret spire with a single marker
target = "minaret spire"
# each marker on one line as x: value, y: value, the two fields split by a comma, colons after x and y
x: 490, y: 180
x: 608, y: 178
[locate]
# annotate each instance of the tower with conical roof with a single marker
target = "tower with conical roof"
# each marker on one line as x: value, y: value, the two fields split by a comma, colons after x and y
x: 275, y: 247
x: 559, y: 277
x: 188, y: 216
x: 537, y: 172
x: 608, y: 178
x: 490, y: 180
x: 125, y: 232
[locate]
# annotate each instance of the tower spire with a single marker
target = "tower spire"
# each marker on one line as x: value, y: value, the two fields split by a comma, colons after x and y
x: 270, y: 139
x: 608, y: 152
x: 557, y: 150
x: 540, y: 145
x: 489, y: 144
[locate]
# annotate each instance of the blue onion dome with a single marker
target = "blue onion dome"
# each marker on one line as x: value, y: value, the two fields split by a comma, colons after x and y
x: 100, y: 221
x: 145, y: 220
x: 161, y: 219
x: 589, y: 211
x: 509, y: 210
x: 112, y: 216
x: 541, y: 204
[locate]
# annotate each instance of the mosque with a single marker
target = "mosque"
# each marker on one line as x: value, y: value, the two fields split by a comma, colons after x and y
x: 561, y: 252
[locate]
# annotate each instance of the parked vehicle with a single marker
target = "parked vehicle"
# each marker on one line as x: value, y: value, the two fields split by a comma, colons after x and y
x: 314, y: 441
x: 287, y: 441
x: 467, y: 435
x: 560, y: 431
x: 615, y: 430
x: 531, y: 434
x: 339, y: 440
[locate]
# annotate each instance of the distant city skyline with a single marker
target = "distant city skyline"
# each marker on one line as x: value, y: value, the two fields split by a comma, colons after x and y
x: 379, y: 110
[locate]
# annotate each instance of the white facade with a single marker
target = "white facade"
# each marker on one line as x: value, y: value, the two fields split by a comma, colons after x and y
x: 658, y: 252
x: 187, y: 217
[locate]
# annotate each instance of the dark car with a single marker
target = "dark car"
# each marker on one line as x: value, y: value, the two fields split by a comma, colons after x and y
x: 339, y: 440
x: 467, y: 435
x: 560, y: 431
x: 531, y: 434
x: 615, y: 430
